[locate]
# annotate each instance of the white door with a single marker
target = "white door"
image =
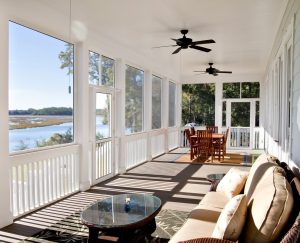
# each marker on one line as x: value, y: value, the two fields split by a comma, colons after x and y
x: 101, y: 135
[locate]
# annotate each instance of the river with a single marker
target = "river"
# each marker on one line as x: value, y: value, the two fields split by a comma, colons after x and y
x: 27, y: 137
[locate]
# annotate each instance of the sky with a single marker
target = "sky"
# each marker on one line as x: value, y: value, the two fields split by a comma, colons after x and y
x: 35, y: 77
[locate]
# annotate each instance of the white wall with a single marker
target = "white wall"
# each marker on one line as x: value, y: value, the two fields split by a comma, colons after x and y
x: 296, y: 89
x: 275, y: 90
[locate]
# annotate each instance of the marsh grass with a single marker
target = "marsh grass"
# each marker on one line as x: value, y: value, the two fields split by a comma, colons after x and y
x: 21, y: 122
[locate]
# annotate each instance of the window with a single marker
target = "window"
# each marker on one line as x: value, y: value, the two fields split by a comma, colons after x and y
x: 224, y: 113
x: 250, y: 90
x: 257, y: 113
x: 241, y: 90
x: 172, y: 104
x: 231, y: 90
x: 94, y: 63
x: 134, y: 100
x: 106, y: 70
x: 40, y: 89
x: 156, y: 102
x: 198, y: 104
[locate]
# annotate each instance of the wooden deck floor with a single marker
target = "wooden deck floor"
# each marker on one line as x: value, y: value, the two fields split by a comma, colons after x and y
x: 180, y: 186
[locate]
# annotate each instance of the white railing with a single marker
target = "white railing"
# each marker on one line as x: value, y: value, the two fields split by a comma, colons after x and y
x: 239, y: 137
x: 173, y: 137
x: 135, y: 149
x: 157, y: 142
x: 41, y: 177
x: 103, y: 158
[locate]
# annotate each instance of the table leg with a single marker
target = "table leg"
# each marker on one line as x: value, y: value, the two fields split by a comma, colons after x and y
x: 93, y: 235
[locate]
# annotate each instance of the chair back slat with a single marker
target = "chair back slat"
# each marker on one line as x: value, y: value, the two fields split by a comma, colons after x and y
x: 213, y: 129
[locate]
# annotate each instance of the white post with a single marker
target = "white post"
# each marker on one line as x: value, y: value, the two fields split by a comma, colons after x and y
x: 179, y: 111
x: 218, y: 105
x: 6, y: 217
x: 82, y: 114
x: 148, y: 111
x: 165, y: 111
x: 120, y: 115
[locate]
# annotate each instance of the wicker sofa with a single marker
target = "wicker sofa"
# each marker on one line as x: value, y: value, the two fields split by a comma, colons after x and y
x: 271, y: 194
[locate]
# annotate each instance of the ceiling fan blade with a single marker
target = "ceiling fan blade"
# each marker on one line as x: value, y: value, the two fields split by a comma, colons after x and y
x: 163, y: 46
x: 203, y: 42
x: 177, y: 50
x: 200, y: 48
x: 224, y: 72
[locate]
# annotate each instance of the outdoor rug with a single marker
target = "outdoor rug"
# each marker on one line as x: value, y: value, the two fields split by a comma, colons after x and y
x: 70, y: 229
x: 229, y: 158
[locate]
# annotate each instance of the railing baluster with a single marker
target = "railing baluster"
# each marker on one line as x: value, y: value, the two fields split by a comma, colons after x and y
x: 17, y: 191
x: 27, y: 201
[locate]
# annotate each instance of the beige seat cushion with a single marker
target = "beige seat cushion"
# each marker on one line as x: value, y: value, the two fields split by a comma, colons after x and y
x: 233, y: 182
x: 261, y: 164
x: 269, y: 206
x: 215, y: 199
x: 200, y: 223
x: 232, y: 219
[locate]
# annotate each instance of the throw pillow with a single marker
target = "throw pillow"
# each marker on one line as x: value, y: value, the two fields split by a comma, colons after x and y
x: 232, y: 219
x: 233, y: 182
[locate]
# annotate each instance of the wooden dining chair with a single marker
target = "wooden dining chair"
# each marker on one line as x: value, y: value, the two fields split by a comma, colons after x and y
x: 213, y: 129
x: 193, y: 144
x: 204, y: 138
x: 219, y: 147
x: 193, y: 132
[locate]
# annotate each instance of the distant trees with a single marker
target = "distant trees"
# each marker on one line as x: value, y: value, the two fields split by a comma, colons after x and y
x: 56, y: 138
x: 198, y: 104
x: 49, y: 111
x: 67, y: 58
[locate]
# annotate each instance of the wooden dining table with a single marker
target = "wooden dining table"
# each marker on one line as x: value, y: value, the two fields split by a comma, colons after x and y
x: 215, y: 137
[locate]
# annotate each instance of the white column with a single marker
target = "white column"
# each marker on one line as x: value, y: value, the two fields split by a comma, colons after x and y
x: 148, y: 110
x: 82, y: 114
x: 165, y: 111
x: 120, y: 115
x: 5, y: 209
x: 218, y: 105
x: 179, y: 111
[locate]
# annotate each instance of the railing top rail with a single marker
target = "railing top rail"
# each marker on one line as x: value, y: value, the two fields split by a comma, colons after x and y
x: 103, y: 140
x: 18, y: 159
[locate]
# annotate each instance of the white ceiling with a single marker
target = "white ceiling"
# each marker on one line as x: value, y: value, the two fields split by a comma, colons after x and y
x: 244, y: 30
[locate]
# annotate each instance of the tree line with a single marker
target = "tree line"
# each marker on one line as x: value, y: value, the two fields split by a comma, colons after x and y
x: 49, y: 111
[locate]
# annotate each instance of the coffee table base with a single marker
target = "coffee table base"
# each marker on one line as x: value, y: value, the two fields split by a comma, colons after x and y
x: 123, y: 235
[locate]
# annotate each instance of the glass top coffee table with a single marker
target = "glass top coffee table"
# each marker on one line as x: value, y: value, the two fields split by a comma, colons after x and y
x: 130, y: 217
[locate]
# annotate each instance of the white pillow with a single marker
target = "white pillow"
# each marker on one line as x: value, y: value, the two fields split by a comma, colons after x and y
x: 233, y: 182
x: 232, y: 219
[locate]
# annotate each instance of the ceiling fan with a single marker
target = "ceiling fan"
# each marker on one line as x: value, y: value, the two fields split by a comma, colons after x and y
x: 186, y: 42
x: 213, y: 71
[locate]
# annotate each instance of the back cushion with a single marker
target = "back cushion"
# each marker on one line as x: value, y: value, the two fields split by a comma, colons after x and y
x: 261, y: 164
x: 269, y: 206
